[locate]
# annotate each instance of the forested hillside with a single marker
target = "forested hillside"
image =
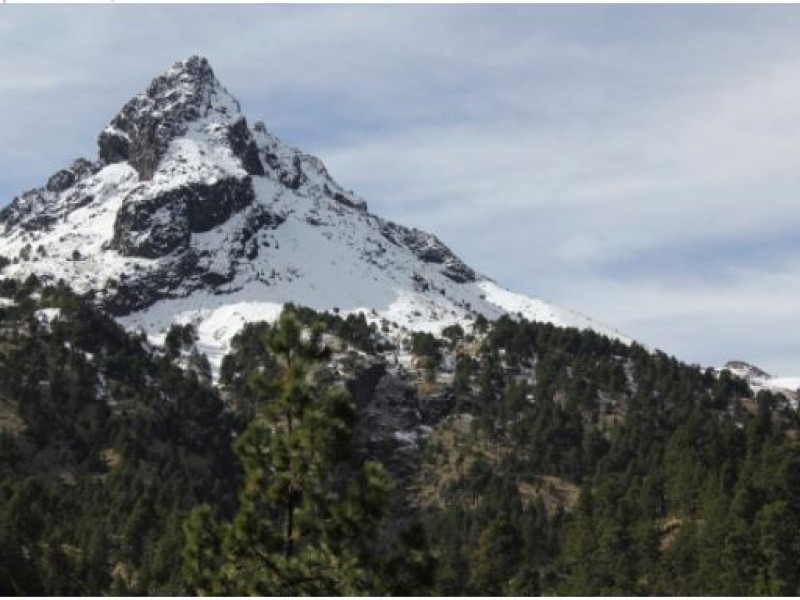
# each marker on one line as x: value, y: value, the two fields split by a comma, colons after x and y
x: 106, y: 447
x: 335, y: 456
x: 591, y: 467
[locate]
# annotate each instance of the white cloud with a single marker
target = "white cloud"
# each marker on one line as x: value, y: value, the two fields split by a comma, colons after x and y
x: 754, y: 315
x: 553, y: 147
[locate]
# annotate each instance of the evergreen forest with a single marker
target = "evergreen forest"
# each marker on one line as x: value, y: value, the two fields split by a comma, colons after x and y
x: 335, y: 455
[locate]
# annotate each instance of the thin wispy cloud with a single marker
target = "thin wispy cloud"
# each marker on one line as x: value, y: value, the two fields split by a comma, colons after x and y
x: 636, y: 163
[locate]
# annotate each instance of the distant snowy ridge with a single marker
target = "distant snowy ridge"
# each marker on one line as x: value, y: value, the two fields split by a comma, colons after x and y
x: 191, y: 215
x: 758, y: 379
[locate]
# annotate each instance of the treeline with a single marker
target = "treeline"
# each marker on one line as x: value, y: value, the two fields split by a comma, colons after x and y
x: 569, y: 464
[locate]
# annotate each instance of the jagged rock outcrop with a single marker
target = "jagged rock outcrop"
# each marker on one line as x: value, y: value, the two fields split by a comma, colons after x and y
x: 41, y: 207
x: 65, y: 178
x: 244, y: 147
x: 140, y: 134
x: 133, y: 292
x: 430, y: 249
x: 159, y: 225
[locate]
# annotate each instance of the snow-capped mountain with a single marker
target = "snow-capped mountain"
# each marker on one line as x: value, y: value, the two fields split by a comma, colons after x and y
x: 761, y: 380
x: 191, y: 214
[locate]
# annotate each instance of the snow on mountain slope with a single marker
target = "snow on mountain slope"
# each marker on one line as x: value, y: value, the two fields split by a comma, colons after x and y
x: 758, y: 379
x: 192, y: 215
x: 784, y: 383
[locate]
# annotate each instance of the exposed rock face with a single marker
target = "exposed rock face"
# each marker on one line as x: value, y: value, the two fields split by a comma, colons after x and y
x: 160, y: 225
x: 297, y: 170
x: 41, y: 207
x: 141, y: 132
x: 141, y: 290
x: 65, y: 178
x: 61, y: 181
x: 430, y: 249
x: 244, y: 147
x: 210, y: 205
x: 28, y: 211
x: 245, y: 244
x: 152, y: 228
x: 395, y: 417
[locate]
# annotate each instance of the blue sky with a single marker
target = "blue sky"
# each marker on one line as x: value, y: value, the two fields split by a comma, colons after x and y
x: 638, y: 164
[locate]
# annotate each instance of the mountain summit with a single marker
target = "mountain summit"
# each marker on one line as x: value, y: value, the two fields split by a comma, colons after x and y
x: 189, y: 214
x: 186, y: 95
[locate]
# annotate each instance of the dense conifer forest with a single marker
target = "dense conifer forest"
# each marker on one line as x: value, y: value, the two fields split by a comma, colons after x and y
x: 555, y: 461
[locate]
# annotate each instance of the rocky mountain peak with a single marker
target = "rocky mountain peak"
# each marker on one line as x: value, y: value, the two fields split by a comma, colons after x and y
x: 191, y: 214
x: 187, y: 93
x: 195, y: 71
x: 745, y: 369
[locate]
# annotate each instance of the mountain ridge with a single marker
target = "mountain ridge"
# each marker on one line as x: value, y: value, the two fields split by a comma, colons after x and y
x: 759, y: 379
x: 191, y: 215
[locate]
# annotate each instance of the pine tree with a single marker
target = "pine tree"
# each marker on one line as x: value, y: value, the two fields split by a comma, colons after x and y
x: 309, y: 517
x: 495, y: 558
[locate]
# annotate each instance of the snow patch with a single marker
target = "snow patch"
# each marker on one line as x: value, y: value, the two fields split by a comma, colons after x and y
x: 45, y: 316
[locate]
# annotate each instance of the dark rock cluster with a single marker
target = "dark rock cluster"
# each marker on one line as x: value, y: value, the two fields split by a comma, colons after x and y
x: 244, y: 147
x: 428, y: 248
x: 258, y: 220
x: 37, y: 209
x: 389, y: 402
x: 141, y: 290
x: 157, y: 226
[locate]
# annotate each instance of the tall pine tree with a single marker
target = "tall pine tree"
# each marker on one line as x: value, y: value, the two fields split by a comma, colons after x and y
x: 309, y: 513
